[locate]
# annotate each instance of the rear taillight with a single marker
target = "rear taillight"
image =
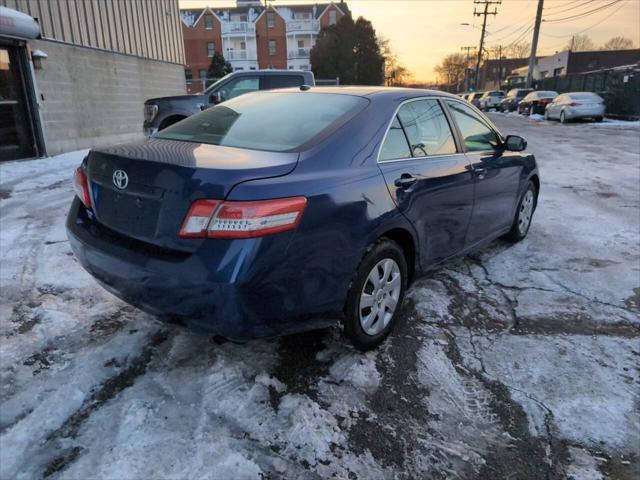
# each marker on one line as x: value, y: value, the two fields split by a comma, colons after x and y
x: 215, y: 219
x: 574, y: 104
x: 545, y: 100
x: 81, y: 187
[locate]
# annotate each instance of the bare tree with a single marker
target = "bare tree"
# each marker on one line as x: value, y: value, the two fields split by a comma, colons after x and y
x: 580, y: 43
x: 452, y: 69
x: 618, y: 43
x: 518, y: 50
x: 395, y: 74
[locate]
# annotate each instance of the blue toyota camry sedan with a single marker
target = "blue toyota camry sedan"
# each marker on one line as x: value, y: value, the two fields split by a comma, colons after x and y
x: 296, y: 209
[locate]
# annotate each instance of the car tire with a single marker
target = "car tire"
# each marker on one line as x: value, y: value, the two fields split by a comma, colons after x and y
x: 563, y: 117
x: 524, y: 214
x: 364, y: 325
x: 546, y: 115
x: 599, y: 119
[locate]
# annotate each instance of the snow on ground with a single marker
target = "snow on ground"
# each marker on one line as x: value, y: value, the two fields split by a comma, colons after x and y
x: 514, y: 362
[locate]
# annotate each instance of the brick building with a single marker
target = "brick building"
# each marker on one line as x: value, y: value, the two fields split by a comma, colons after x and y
x: 76, y: 74
x: 251, y: 37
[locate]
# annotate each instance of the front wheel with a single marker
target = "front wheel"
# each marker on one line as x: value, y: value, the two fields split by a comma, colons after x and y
x: 546, y: 115
x: 375, y: 295
x: 524, y: 214
x: 599, y: 119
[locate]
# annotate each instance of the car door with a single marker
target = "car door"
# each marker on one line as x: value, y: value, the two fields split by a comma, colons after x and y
x: 496, y: 172
x: 554, y: 107
x: 429, y: 177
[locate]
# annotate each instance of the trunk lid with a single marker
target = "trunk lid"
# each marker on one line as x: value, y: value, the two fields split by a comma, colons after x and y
x: 144, y: 190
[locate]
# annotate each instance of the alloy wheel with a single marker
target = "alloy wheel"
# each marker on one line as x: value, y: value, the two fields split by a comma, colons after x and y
x: 525, y: 212
x: 379, y: 296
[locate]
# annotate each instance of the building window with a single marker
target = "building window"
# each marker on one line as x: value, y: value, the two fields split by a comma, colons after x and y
x: 300, y: 43
x: 188, y: 74
x: 272, y: 47
x: 332, y: 17
x: 208, y: 22
x: 202, y: 74
x: 271, y: 19
x: 211, y: 49
x: 243, y: 46
x: 290, y: 67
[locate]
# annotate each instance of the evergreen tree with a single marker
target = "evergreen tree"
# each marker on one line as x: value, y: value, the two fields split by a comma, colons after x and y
x: 219, y: 67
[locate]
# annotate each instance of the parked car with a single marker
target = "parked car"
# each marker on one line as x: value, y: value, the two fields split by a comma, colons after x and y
x: 159, y: 113
x: 536, y: 102
x: 474, y: 99
x: 294, y: 209
x: 575, y: 105
x: 491, y: 100
x: 510, y: 102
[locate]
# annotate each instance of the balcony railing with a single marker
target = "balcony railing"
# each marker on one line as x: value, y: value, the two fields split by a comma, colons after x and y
x: 299, y: 53
x: 236, y: 55
x: 303, y: 26
x: 238, y: 28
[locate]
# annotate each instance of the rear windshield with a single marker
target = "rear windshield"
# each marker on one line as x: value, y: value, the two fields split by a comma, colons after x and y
x: 585, y: 96
x: 544, y: 94
x: 269, y: 121
x: 495, y: 94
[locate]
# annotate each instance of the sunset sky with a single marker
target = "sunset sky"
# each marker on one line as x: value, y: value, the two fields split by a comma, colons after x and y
x: 423, y: 31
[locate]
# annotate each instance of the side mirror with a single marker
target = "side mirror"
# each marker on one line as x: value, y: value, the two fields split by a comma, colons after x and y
x: 515, y: 143
x: 215, y: 98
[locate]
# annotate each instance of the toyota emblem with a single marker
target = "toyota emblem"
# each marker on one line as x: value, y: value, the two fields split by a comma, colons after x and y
x: 120, y: 179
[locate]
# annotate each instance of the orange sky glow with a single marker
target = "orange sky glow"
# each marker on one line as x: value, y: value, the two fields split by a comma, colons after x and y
x: 421, y: 32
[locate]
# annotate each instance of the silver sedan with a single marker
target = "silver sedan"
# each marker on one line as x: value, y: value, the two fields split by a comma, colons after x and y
x: 574, y: 105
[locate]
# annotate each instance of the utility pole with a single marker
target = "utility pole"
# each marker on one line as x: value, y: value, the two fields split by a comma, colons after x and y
x: 466, y: 66
x: 534, y: 44
x: 499, y: 66
x: 484, y: 13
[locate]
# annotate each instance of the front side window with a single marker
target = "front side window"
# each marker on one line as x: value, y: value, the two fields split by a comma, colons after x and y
x: 208, y: 22
x: 426, y: 128
x: 211, y: 49
x: 239, y: 86
x: 271, y: 20
x: 294, y: 120
x: 477, y: 135
x: 272, y: 47
x: 395, y: 144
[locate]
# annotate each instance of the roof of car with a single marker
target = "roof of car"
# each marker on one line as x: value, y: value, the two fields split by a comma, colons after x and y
x: 376, y: 91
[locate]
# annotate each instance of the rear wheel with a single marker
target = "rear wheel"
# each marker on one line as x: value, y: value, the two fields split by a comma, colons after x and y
x: 546, y: 115
x: 524, y: 214
x: 599, y: 119
x: 375, y: 295
x: 563, y: 117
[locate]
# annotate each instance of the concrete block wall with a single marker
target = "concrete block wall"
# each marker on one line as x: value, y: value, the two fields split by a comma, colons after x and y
x: 91, y: 98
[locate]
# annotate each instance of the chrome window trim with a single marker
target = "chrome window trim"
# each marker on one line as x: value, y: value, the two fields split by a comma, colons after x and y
x: 436, y: 98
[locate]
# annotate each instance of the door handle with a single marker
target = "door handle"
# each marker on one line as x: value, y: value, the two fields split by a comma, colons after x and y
x: 479, y: 171
x: 405, y: 181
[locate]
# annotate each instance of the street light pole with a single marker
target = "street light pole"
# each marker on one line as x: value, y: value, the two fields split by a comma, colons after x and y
x: 534, y: 44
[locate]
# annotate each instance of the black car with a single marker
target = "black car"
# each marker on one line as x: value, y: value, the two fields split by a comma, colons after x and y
x: 511, y: 101
x: 536, y: 102
x: 159, y: 113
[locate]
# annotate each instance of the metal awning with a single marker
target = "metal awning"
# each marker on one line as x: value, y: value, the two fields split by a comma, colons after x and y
x: 16, y: 24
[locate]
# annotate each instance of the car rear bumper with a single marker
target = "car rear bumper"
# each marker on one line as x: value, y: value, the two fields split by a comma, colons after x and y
x: 585, y: 112
x: 239, y: 290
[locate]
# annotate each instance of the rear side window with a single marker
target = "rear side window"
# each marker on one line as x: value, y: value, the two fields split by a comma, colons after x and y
x: 476, y: 133
x: 283, y: 81
x: 269, y: 121
x: 395, y: 144
x: 427, y: 128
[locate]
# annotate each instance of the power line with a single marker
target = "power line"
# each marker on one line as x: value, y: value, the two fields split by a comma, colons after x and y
x: 564, y: 4
x: 572, y: 8
x: 588, y: 28
x: 583, y: 14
